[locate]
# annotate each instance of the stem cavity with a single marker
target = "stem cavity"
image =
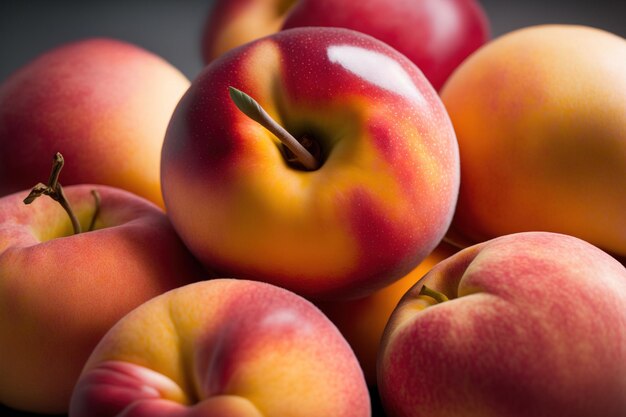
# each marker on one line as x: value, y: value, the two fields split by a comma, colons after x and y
x: 298, y: 152
x: 436, y: 295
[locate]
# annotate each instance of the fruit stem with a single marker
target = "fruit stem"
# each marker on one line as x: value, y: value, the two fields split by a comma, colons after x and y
x: 96, y: 197
x: 251, y: 108
x: 55, y: 191
x: 436, y: 295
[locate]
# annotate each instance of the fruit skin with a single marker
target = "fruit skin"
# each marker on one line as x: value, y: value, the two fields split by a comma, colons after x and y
x: 223, y: 347
x: 362, y: 321
x: 437, y: 35
x: 103, y: 103
x: 535, y: 326
x: 379, y: 204
x: 60, y: 293
x: 539, y: 116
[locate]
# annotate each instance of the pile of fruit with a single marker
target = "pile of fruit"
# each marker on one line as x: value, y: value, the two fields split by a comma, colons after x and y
x: 337, y: 208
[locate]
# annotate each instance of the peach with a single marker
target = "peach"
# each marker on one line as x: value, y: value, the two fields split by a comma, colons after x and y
x: 60, y: 293
x: 539, y: 117
x: 103, y: 103
x: 380, y: 198
x: 222, y: 348
x: 528, y: 324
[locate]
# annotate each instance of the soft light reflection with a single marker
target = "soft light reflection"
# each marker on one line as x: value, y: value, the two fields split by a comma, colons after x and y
x: 445, y: 23
x: 286, y: 317
x: 375, y: 68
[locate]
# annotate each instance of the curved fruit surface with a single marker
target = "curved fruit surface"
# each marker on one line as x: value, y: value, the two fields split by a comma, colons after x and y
x: 437, y: 35
x: 381, y: 200
x: 535, y: 325
x: 223, y: 348
x: 539, y: 116
x: 60, y: 293
x: 103, y: 103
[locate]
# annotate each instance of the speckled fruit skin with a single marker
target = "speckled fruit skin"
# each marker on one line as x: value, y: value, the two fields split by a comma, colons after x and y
x: 362, y: 321
x: 60, y: 293
x: 437, y: 35
x: 104, y: 104
x: 379, y: 204
x: 223, y: 348
x: 539, y: 115
x: 535, y: 326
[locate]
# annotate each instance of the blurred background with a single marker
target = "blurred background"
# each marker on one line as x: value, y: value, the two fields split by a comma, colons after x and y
x: 172, y: 28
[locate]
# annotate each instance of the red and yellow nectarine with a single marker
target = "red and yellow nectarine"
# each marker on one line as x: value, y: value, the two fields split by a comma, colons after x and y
x: 223, y: 348
x: 384, y: 192
x: 60, y: 293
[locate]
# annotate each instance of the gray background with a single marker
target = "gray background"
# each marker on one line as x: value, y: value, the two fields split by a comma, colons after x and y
x: 172, y: 28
